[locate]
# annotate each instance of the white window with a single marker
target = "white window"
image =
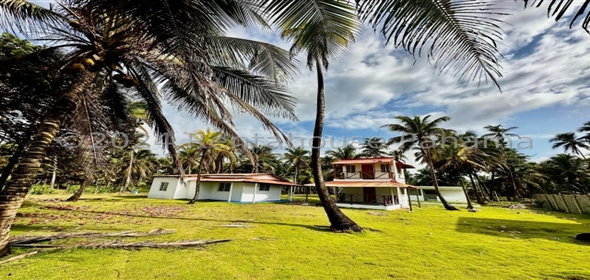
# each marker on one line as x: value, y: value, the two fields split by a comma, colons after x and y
x: 264, y: 187
x: 350, y: 169
x: 384, y: 168
x: 163, y: 186
x: 224, y: 187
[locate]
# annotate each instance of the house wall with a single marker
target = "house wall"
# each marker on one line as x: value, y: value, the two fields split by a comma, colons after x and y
x: 357, y: 195
x: 155, y: 188
x: 237, y: 191
x: 241, y: 191
x: 381, y: 192
x: 450, y: 193
x: 453, y: 195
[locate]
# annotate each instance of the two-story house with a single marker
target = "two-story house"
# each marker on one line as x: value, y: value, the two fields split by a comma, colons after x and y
x: 371, y: 183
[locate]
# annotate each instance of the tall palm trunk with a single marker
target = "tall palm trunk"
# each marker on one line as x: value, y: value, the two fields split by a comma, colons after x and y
x: 128, y: 177
x: 469, y: 205
x: 435, y: 181
x: 198, y: 184
x: 11, y: 164
x: 338, y: 221
x: 76, y: 196
x: 54, y: 172
x: 23, y: 177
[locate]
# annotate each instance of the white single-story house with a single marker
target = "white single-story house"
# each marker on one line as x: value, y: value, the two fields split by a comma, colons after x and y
x: 253, y: 187
x: 450, y: 193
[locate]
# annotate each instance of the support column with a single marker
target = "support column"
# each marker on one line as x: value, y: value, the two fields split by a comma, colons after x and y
x: 231, y: 188
x: 409, y: 200
x: 418, y: 197
x: 254, y: 195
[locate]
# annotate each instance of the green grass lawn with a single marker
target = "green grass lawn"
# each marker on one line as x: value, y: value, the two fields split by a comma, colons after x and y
x: 288, y: 241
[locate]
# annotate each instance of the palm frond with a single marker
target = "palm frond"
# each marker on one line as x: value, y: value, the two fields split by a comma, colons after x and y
x: 559, y: 8
x: 24, y: 16
x: 149, y: 93
x: 258, y: 57
x: 321, y: 28
x: 460, y: 36
x: 256, y: 91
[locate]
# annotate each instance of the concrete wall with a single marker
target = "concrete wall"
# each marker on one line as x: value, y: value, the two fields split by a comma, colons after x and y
x: 450, y: 193
x: 579, y: 203
x: 155, y: 188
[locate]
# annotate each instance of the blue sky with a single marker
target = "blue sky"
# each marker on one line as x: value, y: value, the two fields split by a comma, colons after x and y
x: 545, y: 87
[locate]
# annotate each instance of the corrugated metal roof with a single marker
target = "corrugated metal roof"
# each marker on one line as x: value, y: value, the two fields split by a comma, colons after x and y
x: 248, y: 177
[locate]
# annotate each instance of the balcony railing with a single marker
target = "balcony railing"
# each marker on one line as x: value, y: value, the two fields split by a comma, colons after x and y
x: 365, y: 175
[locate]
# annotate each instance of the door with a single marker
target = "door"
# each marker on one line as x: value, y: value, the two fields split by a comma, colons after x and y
x: 369, y: 195
x: 368, y: 172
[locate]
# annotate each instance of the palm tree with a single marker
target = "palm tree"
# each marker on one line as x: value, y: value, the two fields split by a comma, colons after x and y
x: 570, y: 142
x: 373, y: 147
x: 346, y: 152
x: 188, y: 156
x: 175, y: 50
x: 461, y: 159
x: 499, y: 133
x: 298, y: 157
x: 421, y: 130
x: 208, y: 142
x: 585, y: 128
x: 323, y: 30
x: 567, y: 173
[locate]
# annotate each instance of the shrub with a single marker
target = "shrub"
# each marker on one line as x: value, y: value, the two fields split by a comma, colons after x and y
x: 41, y: 189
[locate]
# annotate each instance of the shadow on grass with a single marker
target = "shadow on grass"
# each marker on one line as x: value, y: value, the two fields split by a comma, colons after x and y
x: 562, y: 232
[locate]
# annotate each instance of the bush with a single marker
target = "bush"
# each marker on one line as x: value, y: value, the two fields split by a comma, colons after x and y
x: 41, y: 189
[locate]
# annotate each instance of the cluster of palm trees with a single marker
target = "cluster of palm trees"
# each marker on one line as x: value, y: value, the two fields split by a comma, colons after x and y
x: 114, y: 52
x: 488, y: 163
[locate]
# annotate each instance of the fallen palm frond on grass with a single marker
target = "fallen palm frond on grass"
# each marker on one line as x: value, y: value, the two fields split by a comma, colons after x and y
x: 132, y: 245
x: 18, y: 257
x: 30, y: 242
x: 36, y: 239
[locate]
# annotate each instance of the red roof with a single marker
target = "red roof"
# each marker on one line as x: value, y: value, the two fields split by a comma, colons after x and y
x: 263, y: 178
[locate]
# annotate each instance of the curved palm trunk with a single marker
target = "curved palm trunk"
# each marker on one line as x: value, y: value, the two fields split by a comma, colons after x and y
x: 198, y: 184
x: 128, y: 177
x: 76, y: 196
x: 10, y: 165
x: 23, y: 177
x: 338, y: 221
x: 469, y: 205
x: 435, y: 182
x: 478, y: 196
x: 492, y: 186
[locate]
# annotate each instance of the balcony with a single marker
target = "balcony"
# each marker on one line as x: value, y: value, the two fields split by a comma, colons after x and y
x: 363, y: 175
